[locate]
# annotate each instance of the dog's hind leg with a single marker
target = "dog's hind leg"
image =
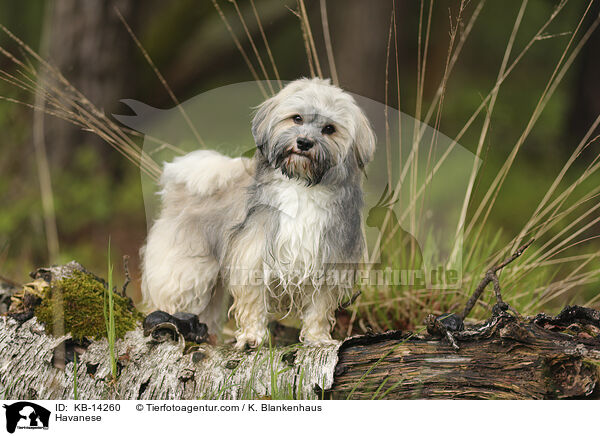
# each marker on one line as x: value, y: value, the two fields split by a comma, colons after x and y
x: 175, y: 282
x: 318, y: 318
x: 244, y: 277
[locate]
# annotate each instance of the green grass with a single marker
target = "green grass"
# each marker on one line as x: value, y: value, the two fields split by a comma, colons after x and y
x: 109, y: 316
x: 360, y: 382
x: 563, y: 265
x: 247, y: 391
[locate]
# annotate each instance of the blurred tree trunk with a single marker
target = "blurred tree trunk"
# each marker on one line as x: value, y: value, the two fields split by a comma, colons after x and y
x: 87, y: 42
x: 359, y: 35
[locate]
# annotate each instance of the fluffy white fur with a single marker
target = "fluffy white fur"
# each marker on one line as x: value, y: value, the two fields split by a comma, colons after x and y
x: 264, y: 229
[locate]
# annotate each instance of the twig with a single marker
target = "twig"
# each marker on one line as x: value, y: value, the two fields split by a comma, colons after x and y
x: 127, y: 276
x: 445, y: 326
x: 490, y: 276
x: 352, y: 299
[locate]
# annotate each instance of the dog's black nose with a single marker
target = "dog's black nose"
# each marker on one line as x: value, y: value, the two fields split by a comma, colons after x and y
x: 304, y: 144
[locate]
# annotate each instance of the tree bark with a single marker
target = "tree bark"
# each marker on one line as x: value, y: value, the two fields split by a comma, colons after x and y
x: 506, y: 357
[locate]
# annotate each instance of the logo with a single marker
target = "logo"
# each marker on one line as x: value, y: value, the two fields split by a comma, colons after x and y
x: 26, y: 415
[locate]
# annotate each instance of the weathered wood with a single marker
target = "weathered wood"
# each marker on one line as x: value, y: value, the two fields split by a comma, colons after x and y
x: 155, y: 369
x: 505, y: 357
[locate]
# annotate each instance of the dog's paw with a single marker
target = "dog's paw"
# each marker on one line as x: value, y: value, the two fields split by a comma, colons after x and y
x: 245, y: 340
x: 320, y: 342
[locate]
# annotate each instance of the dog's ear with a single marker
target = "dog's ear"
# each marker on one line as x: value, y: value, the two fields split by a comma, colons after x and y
x: 364, y: 141
x: 260, y: 123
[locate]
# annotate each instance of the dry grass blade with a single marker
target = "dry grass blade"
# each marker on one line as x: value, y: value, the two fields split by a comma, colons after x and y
x: 414, y: 150
x: 309, y: 36
x: 237, y: 43
x: 554, y: 250
x: 443, y: 85
x: 421, y: 69
x: 252, y: 44
x: 161, y: 78
x: 589, y: 170
x: 41, y: 159
x: 388, y: 143
x: 553, y: 81
x: 459, y: 46
x: 411, y: 158
x: 328, y: 45
x: 559, y: 288
x: 543, y: 221
x: 266, y: 42
x: 68, y: 103
x: 544, y: 226
x: 485, y: 128
x: 584, y: 143
x: 305, y: 40
x: 470, y: 121
x: 562, y: 285
x: 547, y: 223
x: 541, y: 228
x: 585, y: 258
x: 397, y: 90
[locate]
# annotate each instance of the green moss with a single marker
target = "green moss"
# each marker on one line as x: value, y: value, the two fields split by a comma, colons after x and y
x: 79, y: 301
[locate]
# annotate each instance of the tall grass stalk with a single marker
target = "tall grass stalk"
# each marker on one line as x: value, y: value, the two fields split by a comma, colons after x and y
x: 241, y: 49
x: 41, y: 159
x: 109, y: 316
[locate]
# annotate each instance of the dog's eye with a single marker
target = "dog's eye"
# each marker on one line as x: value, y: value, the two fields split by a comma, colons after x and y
x: 328, y: 129
x: 297, y: 119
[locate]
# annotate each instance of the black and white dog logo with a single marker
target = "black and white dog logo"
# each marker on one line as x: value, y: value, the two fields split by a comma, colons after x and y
x: 26, y: 415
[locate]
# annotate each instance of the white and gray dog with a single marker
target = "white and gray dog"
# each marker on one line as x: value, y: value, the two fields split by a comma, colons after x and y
x: 266, y: 229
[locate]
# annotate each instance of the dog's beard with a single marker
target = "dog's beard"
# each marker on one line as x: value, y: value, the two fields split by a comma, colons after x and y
x: 310, y: 165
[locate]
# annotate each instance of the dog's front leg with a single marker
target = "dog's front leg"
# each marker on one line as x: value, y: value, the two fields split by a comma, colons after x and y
x: 318, y: 318
x: 250, y: 313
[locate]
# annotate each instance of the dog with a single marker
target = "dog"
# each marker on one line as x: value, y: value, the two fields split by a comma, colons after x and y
x: 266, y: 229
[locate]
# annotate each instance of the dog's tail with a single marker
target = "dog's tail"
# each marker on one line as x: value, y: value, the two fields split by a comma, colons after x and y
x: 204, y: 172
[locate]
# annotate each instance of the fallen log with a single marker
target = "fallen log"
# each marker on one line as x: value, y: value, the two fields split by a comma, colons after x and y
x: 540, y: 357
x: 506, y: 357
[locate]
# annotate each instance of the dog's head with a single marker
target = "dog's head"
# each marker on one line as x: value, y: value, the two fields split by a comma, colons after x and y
x: 311, y: 130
